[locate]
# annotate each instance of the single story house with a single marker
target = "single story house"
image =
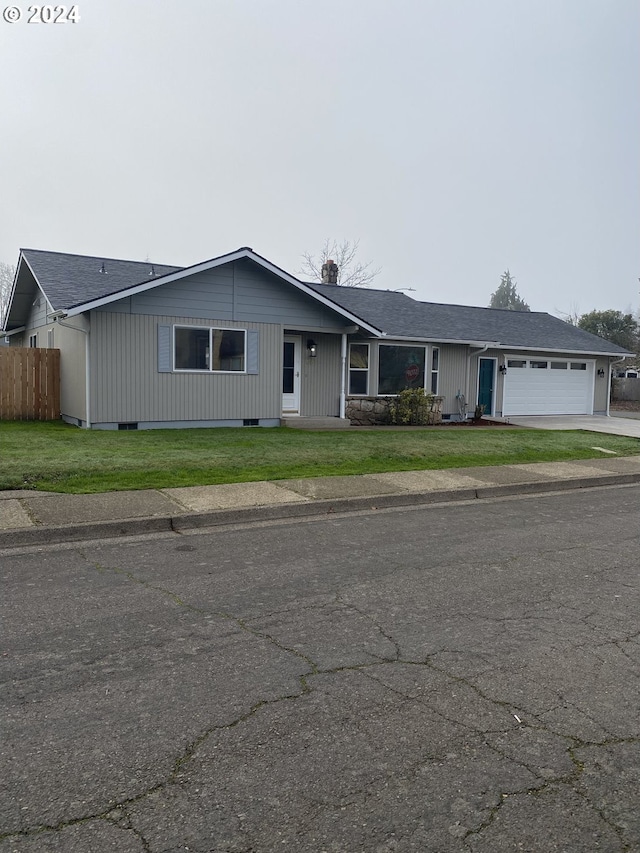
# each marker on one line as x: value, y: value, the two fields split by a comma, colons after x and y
x: 238, y: 341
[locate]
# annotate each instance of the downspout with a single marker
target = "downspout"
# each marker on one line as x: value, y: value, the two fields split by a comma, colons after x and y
x: 343, y: 375
x: 87, y: 380
x: 611, y: 363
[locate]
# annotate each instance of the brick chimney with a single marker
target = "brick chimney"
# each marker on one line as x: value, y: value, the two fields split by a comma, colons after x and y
x: 330, y: 272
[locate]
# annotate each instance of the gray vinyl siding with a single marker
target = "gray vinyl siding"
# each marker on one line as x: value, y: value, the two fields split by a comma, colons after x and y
x: 600, y: 400
x: 72, y: 346
x: 38, y: 314
x: 320, y: 385
x: 237, y: 292
x: 127, y: 387
x: 37, y: 321
x: 453, y: 376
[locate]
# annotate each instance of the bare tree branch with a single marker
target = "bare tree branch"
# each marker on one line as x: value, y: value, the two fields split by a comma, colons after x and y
x: 351, y: 272
x: 571, y: 316
x: 7, y: 273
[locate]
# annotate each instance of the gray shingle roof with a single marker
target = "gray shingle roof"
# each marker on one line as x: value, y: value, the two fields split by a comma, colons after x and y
x: 72, y: 280
x: 399, y: 315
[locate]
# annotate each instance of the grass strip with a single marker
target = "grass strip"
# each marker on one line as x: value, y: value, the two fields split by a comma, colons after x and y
x: 54, y: 456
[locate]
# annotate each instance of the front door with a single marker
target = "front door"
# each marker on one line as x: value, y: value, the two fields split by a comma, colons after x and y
x: 291, y: 375
x: 486, y: 379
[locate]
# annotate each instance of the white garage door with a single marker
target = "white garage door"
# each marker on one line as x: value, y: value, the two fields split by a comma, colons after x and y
x: 548, y: 386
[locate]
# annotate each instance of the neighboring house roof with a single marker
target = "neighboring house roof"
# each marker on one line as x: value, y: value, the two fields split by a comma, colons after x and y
x: 399, y: 316
x: 76, y: 283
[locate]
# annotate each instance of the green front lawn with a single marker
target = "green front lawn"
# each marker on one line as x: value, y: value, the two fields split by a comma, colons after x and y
x: 60, y: 458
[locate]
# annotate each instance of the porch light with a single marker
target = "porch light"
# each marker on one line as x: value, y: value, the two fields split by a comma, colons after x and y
x: 503, y: 369
x: 312, y: 349
x: 601, y: 373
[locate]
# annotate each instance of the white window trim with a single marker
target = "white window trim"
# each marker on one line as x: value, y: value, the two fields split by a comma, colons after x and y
x: 436, y: 372
x: 590, y: 362
x: 360, y: 369
x: 209, y: 370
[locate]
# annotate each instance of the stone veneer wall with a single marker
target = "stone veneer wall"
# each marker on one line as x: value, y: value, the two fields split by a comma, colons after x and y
x: 374, y: 411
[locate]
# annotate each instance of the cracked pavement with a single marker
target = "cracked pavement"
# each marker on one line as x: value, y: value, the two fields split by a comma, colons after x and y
x: 440, y: 678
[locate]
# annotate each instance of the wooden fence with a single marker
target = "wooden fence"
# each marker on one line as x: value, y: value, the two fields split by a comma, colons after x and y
x: 625, y: 390
x: 29, y: 384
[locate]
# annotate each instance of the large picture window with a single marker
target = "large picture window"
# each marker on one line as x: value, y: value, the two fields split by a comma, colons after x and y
x: 210, y: 349
x: 400, y: 367
x: 359, y: 369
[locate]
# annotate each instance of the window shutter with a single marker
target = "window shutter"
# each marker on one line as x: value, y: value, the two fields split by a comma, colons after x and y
x: 164, y: 349
x: 253, y: 342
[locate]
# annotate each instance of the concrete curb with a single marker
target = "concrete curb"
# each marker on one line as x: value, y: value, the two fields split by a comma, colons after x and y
x: 43, y: 535
x: 49, y: 535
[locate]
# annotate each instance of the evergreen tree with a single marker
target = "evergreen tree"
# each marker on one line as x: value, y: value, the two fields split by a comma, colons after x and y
x: 506, y: 295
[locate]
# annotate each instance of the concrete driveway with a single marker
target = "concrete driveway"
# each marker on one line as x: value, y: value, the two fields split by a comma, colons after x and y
x: 613, y: 425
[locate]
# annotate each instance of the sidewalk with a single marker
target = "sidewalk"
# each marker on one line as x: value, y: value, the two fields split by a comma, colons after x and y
x: 42, y: 518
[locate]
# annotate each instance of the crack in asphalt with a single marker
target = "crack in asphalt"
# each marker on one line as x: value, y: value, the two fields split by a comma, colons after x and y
x: 339, y: 599
x: 118, y: 815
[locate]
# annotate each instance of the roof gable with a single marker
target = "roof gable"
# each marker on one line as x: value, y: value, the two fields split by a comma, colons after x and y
x: 77, y: 283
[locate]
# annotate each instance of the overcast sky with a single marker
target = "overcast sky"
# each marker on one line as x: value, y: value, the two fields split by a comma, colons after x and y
x: 453, y: 138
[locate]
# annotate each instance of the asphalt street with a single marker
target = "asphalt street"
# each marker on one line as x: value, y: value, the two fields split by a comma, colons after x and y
x: 438, y: 678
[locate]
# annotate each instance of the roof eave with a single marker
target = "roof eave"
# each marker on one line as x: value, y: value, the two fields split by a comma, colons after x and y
x: 505, y: 347
x: 14, y: 286
x: 603, y: 353
x: 433, y: 339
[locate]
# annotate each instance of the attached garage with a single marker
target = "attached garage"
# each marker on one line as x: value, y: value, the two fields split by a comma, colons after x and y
x: 548, y: 386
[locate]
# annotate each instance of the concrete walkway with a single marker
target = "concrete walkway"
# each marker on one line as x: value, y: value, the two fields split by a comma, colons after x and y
x: 620, y: 423
x: 34, y: 518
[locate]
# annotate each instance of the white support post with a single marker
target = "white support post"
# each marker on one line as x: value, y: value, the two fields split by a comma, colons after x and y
x: 343, y: 376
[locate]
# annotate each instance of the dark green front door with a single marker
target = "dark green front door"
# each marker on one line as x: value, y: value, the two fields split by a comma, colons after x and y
x: 486, y: 371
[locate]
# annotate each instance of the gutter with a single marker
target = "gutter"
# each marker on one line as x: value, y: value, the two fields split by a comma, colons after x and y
x: 505, y: 347
x: 440, y: 340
